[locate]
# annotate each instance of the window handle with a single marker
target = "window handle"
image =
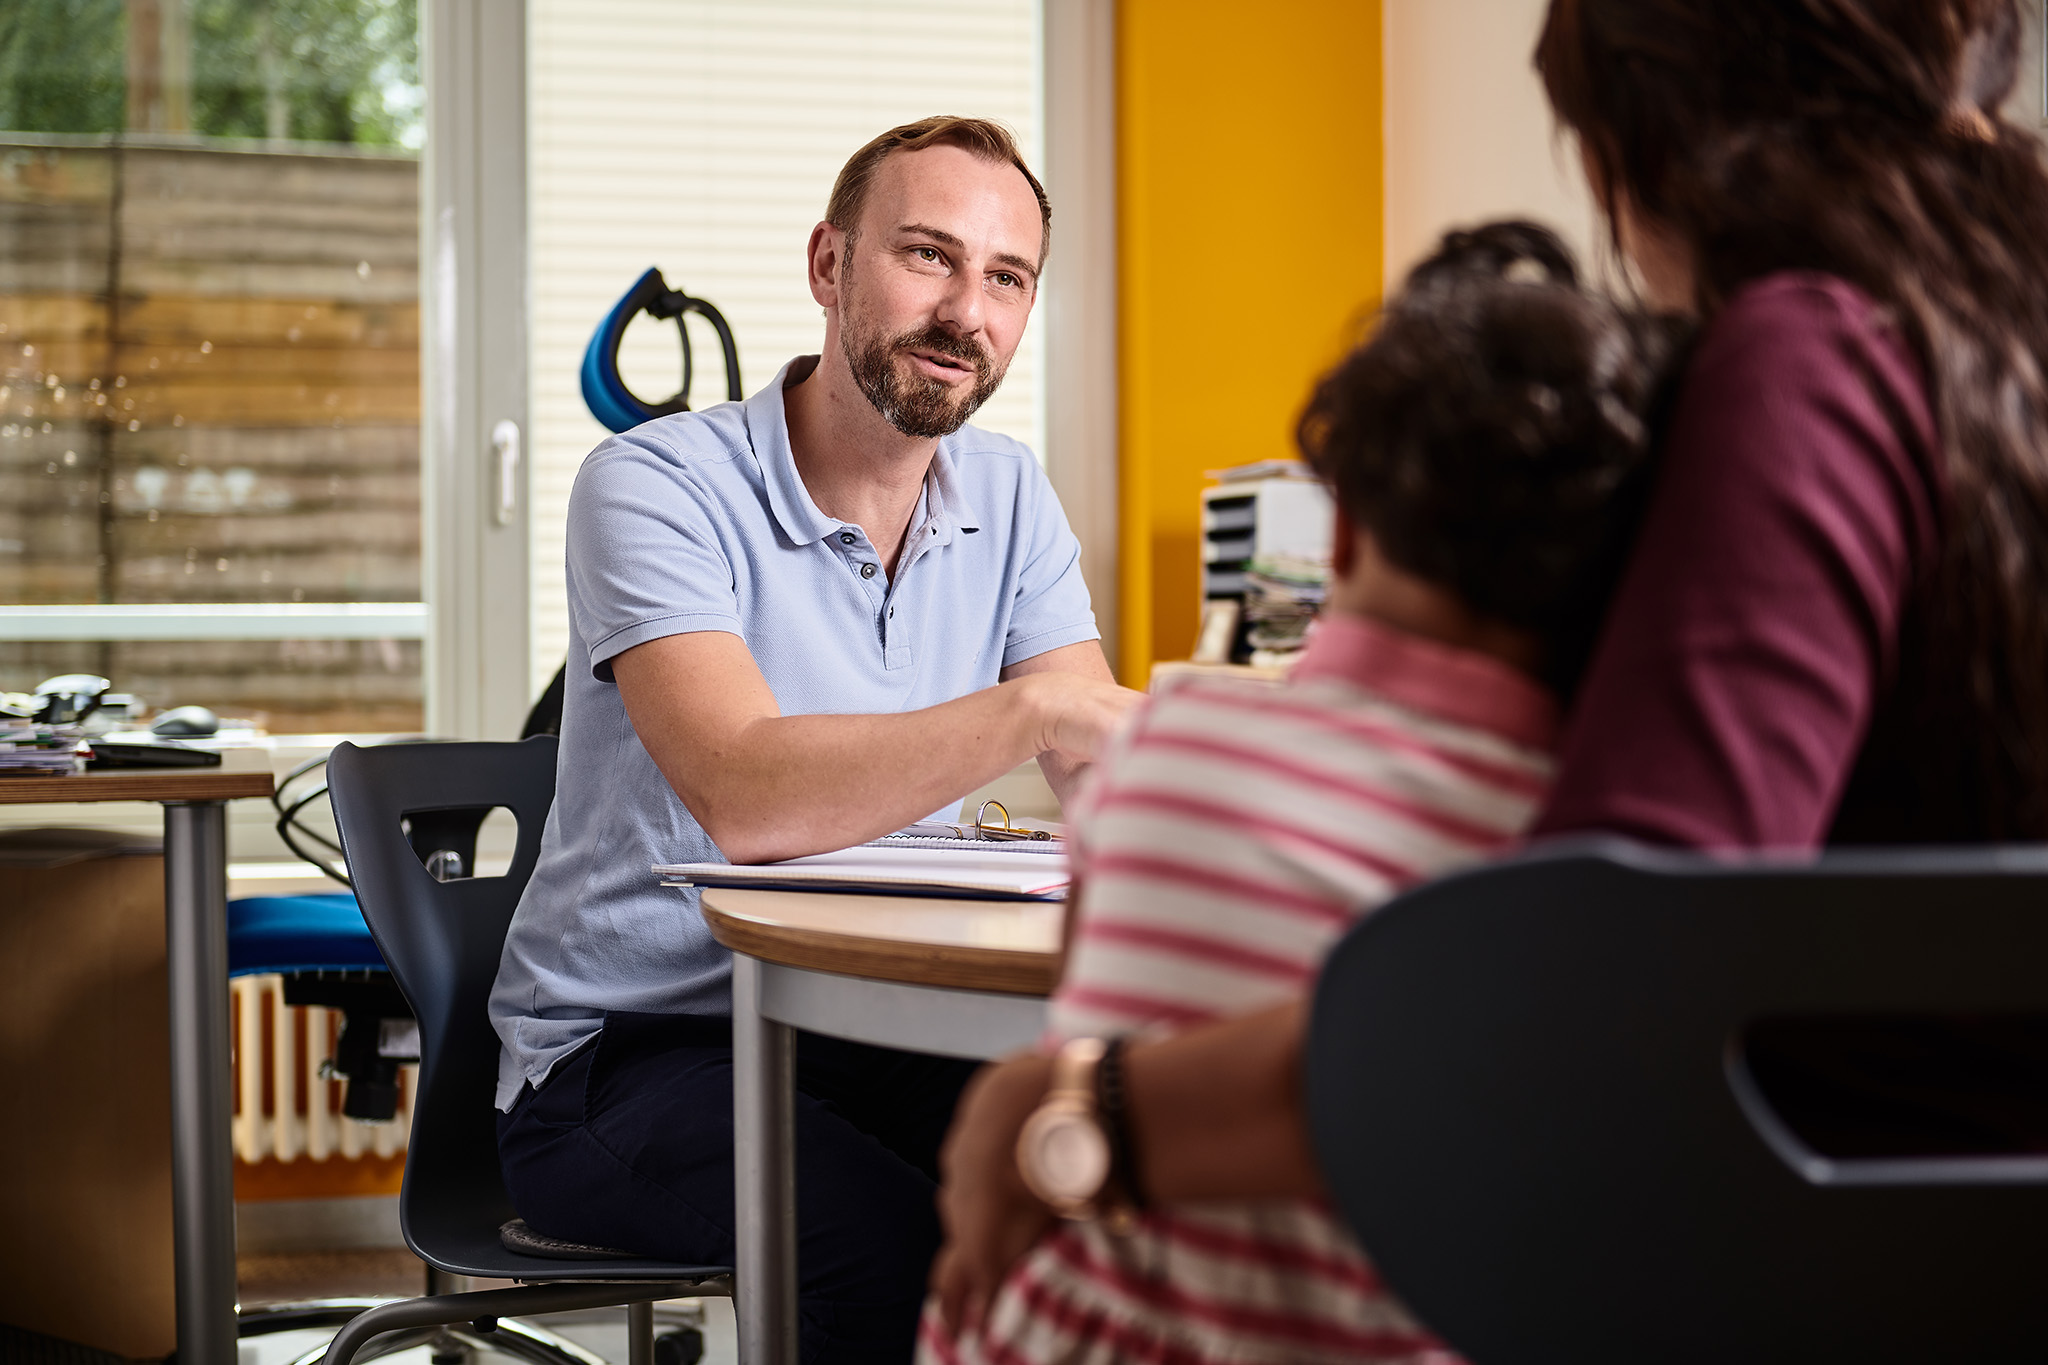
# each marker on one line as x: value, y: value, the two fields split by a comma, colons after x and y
x: 505, y: 444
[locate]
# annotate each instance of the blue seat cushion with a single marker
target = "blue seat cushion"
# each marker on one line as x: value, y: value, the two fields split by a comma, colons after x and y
x: 323, y: 933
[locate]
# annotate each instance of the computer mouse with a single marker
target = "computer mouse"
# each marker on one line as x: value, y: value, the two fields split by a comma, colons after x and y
x: 186, y: 722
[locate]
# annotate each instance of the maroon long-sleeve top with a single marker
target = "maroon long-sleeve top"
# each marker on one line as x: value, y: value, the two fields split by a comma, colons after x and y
x: 1752, y: 647
x: 1761, y: 682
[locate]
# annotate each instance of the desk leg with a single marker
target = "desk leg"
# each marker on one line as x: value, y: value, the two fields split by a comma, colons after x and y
x: 764, y: 1167
x: 202, y: 1150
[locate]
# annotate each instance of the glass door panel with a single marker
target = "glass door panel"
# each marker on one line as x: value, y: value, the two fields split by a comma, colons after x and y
x: 209, y: 356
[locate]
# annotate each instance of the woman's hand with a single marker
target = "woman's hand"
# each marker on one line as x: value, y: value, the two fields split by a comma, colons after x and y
x: 990, y: 1217
x: 1215, y: 1113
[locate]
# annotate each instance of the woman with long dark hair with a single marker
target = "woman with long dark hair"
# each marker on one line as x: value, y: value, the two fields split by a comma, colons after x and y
x: 1837, y: 624
x: 1834, y: 625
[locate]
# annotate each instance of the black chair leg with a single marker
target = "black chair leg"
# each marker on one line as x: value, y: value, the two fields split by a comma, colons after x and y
x: 640, y: 1333
x: 440, y: 1282
x: 488, y: 1305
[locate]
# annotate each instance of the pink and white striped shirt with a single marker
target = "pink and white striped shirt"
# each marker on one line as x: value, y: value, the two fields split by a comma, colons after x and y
x: 1235, y: 831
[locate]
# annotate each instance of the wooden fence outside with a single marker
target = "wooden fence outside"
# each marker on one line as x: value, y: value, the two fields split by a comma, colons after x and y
x: 209, y: 392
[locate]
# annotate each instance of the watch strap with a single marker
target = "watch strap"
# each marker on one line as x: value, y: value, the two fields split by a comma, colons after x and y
x: 1112, y: 1107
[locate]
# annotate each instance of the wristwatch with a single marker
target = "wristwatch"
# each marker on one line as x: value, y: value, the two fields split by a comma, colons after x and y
x: 1069, y: 1151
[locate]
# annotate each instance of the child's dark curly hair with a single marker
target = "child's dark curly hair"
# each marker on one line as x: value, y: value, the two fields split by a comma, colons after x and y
x: 1493, y: 434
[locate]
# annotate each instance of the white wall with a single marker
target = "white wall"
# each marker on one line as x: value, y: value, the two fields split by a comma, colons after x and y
x: 1469, y: 134
x: 2030, y: 96
x: 703, y: 136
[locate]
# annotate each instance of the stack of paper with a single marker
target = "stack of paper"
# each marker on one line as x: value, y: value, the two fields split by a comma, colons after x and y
x: 995, y: 875
x: 1282, y: 595
x: 28, y: 748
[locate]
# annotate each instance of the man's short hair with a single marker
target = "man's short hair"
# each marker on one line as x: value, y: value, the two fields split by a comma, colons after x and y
x: 984, y: 138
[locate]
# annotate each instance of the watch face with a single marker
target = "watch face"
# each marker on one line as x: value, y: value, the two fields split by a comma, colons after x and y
x: 1067, y: 1156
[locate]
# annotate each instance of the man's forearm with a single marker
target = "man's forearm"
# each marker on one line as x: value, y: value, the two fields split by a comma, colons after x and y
x: 785, y: 786
x: 766, y: 786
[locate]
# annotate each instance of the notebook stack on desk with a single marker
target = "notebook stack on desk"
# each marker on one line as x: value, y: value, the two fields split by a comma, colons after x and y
x: 975, y: 870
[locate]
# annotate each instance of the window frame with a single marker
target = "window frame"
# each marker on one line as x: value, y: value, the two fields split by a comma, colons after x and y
x: 473, y: 320
x: 1078, y: 301
x: 473, y: 511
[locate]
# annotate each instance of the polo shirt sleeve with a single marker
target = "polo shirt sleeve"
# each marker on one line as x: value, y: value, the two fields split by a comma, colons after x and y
x: 1049, y: 605
x: 644, y: 556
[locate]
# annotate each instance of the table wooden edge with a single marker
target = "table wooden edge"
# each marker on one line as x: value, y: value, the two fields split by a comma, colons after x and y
x: 173, y: 785
x: 1007, y: 971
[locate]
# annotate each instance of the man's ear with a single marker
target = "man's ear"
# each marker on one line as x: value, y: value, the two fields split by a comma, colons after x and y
x: 827, y: 258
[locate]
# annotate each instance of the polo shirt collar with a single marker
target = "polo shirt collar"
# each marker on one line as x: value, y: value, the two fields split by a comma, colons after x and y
x: 768, y: 429
x: 799, y: 517
x: 947, y: 500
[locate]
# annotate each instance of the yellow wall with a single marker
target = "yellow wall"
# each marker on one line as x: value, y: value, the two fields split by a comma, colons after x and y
x: 1250, y: 176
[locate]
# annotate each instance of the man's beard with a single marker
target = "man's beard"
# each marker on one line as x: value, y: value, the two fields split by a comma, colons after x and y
x: 916, y: 404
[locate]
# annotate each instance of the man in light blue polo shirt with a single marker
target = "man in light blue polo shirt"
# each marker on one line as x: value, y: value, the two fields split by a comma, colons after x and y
x: 797, y: 623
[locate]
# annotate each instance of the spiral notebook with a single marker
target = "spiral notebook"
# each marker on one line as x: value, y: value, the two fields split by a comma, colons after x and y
x: 1048, y: 838
x: 993, y: 872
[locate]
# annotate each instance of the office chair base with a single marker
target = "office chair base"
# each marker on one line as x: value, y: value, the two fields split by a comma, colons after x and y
x: 511, y: 1339
x: 487, y: 1306
x: 673, y: 1342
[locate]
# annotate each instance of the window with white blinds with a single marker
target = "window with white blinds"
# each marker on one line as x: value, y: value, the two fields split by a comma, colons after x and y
x: 702, y: 136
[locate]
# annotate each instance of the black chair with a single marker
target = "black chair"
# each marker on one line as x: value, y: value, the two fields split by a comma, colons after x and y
x: 442, y: 940
x: 1577, y: 1106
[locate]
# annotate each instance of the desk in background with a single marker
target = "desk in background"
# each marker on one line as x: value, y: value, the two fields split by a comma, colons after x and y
x: 196, y: 949
x: 960, y: 978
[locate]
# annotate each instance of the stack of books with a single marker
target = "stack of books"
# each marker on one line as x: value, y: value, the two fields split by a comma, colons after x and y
x: 30, y: 748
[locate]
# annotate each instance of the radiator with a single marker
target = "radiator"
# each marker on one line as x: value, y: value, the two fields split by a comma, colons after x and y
x: 285, y: 1108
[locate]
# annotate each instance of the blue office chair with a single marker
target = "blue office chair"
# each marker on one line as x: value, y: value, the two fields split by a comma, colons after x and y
x: 1606, y: 1104
x: 604, y: 390
x: 442, y: 939
x: 322, y: 948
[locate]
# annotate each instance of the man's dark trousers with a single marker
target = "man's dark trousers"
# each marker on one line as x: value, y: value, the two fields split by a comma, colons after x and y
x: 629, y: 1144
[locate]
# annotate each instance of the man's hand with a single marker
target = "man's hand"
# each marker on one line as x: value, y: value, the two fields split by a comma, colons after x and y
x: 990, y: 1217
x: 1081, y: 710
x: 1076, y: 715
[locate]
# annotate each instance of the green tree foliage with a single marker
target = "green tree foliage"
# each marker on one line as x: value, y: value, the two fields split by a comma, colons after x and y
x: 63, y: 65
x: 310, y: 70
x: 304, y: 70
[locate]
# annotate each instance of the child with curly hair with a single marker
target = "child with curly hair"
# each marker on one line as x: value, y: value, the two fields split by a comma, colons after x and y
x: 1488, y: 448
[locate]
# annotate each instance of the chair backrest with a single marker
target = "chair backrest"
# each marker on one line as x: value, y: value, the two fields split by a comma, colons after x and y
x: 442, y: 941
x: 1533, y: 1090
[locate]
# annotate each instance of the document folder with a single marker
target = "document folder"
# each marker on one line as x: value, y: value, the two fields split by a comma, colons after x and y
x: 871, y: 869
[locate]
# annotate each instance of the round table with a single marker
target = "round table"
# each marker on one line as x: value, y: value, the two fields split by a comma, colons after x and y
x: 959, y: 978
